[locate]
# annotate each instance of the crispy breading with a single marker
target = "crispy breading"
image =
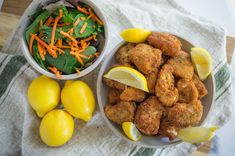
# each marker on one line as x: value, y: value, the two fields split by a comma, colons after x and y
x: 145, y: 58
x: 124, y: 64
x: 165, y: 89
x: 114, y: 96
x: 168, y: 129
x: 183, y: 115
x: 151, y: 80
x: 182, y: 65
x: 167, y: 43
x: 148, y: 115
x: 114, y: 84
x: 132, y: 94
x: 202, y: 91
x: 187, y: 91
x: 122, y: 55
x: 120, y: 112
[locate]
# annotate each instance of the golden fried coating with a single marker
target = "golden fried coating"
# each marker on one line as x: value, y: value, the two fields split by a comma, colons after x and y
x: 183, y: 115
x: 167, y: 43
x: 132, y: 94
x: 114, y: 84
x: 168, y: 129
x: 202, y: 91
x: 122, y: 55
x: 187, y: 91
x: 165, y: 89
x: 146, y: 58
x: 121, y: 112
x: 182, y: 65
x: 114, y: 96
x: 124, y: 64
x: 148, y: 115
x: 151, y: 80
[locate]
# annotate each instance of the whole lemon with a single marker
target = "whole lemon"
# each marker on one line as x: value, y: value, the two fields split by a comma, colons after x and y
x: 43, y: 94
x: 56, y: 128
x: 78, y: 99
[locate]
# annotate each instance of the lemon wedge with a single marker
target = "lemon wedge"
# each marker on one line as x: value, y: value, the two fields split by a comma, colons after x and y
x: 131, y: 131
x: 196, y: 134
x: 202, y: 61
x: 128, y: 76
x: 135, y: 35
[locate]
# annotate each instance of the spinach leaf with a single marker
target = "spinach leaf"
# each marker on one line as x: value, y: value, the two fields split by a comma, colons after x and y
x: 89, y: 29
x: 64, y: 62
x: 34, y: 27
x: 67, y: 16
x: 38, y: 58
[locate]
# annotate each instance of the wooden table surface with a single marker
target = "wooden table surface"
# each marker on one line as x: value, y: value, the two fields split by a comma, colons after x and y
x: 12, y: 10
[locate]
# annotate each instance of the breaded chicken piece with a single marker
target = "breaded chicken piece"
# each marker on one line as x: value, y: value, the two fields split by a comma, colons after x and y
x: 148, y: 115
x: 151, y: 80
x: 202, y: 91
x: 114, y: 84
x: 167, y: 43
x: 121, y: 112
x: 183, y: 66
x: 132, y: 94
x: 168, y: 129
x: 183, y: 115
x: 187, y: 91
x: 165, y: 89
x: 122, y: 55
x: 145, y: 58
x: 114, y: 96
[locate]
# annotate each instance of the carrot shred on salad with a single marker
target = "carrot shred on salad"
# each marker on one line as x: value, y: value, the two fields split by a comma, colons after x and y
x: 32, y: 37
x: 83, y: 10
x: 67, y: 35
x: 55, y: 71
x: 83, y: 28
x: 40, y: 24
x: 77, y: 55
x: 42, y: 51
x: 77, y: 70
x: 49, y: 21
x: 76, y: 22
x: 54, y: 26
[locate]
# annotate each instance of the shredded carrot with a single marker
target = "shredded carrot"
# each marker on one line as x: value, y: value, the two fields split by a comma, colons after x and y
x: 31, y: 43
x: 98, y: 20
x: 58, y: 49
x: 83, y: 28
x: 55, y: 71
x: 83, y: 10
x: 97, y: 54
x: 49, y: 49
x: 40, y: 24
x: 54, y: 27
x: 64, y: 47
x: 59, y: 42
x: 83, y: 56
x: 83, y: 18
x: 76, y: 22
x: 94, y: 37
x: 77, y: 70
x: 90, y: 16
x: 42, y: 51
x: 77, y: 55
x: 49, y: 21
x: 67, y: 35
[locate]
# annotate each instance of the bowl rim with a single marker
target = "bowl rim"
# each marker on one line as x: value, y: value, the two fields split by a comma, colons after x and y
x: 101, y: 106
x: 84, y: 72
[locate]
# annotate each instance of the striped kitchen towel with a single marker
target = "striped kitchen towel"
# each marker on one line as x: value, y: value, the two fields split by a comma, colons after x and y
x: 19, y: 125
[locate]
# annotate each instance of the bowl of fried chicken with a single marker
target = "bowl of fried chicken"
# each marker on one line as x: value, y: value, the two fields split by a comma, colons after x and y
x: 176, y: 97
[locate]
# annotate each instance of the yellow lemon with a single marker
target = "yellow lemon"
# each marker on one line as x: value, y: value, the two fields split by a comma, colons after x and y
x: 196, y: 134
x: 56, y: 128
x: 202, y: 61
x: 78, y: 99
x: 128, y: 76
x: 43, y: 94
x: 131, y: 131
x: 135, y: 35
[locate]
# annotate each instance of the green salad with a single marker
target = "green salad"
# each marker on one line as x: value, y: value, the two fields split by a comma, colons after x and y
x: 66, y: 40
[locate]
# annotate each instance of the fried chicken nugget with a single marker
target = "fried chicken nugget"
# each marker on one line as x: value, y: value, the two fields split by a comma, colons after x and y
x: 167, y: 43
x: 114, y: 84
x: 165, y: 89
x: 183, y: 115
x: 202, y: 91
x: 148, y: 115
x: 187, y: 91
x: 168, y: 129
x: 151, y: 80
x: 121, y: 112
x: 122, y: 55
x: 145, y: 57
x: 114, y: 96
x: 132, y: 94
x: 183, y: 66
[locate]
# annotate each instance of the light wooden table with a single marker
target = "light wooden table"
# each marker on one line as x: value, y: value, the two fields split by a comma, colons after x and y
x: 9, y: 18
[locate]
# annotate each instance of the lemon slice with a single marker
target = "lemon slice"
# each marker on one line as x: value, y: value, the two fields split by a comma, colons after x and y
x: 135, y: 35
x: 128, y: 76
x: 196, y: 134
x: 131, y: 131
x: 202, y: 61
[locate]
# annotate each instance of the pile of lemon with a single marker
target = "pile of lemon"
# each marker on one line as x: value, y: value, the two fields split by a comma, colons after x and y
x: 57, y: 125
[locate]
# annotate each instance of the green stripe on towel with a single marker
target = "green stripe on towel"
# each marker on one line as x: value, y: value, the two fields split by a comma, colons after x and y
x: 145, y: 152
x: 221, y: 77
